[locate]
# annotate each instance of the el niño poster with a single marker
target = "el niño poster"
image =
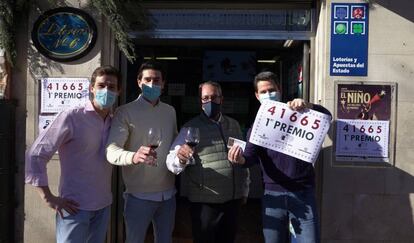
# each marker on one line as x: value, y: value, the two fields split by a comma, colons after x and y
x: 364, y: 102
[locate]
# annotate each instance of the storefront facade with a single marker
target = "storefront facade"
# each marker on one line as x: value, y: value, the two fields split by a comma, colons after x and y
x: 359, y: 201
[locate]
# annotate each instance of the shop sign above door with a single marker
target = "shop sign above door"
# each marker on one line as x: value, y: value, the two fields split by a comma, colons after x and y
x: 228, y: 23
x: 64, y: 34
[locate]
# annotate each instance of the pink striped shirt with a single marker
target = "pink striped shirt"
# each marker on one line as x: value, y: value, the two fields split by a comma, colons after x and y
x: 80, y: 136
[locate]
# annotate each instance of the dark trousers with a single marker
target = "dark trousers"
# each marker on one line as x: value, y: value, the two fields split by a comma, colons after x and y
x: 214, y: 222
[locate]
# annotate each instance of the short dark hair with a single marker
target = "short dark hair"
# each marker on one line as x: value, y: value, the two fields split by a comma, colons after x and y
x: 152, y: 65
x: 265, y: 76
x: 212, y: 83
x: 107, y: 70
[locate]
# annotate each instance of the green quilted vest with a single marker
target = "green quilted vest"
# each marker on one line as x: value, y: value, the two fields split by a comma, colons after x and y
x: 213, y: 179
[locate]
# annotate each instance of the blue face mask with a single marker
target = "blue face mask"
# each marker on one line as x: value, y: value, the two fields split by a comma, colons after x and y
x: 211, y: 109
x: 151, y: 92
x: 275, y: 96
x: 105, y: 98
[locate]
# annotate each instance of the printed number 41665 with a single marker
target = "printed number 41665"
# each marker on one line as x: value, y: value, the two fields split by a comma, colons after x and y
x: 65, y: 86
x: 304, y: 121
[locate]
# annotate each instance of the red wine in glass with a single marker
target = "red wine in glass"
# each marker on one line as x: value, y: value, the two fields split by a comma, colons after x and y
x: 191, y: 143
x: 153, y: 146
x: 154, y: 138
x: 192, y: 138
x: 154, y: 141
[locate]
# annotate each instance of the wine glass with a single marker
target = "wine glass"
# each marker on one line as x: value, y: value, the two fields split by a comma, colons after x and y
x: 154, y: 140
x: 192, y: 138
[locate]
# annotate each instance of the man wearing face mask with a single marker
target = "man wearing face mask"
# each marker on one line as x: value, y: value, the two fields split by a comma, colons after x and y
x: 83, y: 205
x: 214, y: 186
x: 289, y: 183
x: 149, y: 186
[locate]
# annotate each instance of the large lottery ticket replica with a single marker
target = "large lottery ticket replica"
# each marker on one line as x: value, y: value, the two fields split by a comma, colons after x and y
x: 364, y: 115
x: 59, y: 94
x: 365, y: 138
x: 298, y: 134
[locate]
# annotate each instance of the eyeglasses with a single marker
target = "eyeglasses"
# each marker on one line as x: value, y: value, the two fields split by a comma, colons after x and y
x: 207, y: 98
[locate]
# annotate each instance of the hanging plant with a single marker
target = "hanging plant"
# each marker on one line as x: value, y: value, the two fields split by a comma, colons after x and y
x: 7, y: 9
x: 122, y: 15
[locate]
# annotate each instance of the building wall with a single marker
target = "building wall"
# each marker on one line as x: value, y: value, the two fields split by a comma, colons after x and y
x: 357, y: 204
x: 35, y: 221
x: 371, y: 204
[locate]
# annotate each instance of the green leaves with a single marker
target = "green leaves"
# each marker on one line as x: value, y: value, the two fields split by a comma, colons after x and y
x: 121, y: 15
x: 6, y: 29
x: 110, y: 9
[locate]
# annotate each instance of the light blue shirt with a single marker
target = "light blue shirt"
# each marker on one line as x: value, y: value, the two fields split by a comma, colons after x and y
x: 156, y: 196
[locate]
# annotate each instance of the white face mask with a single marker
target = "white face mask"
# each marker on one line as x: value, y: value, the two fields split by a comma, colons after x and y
x: 275, y: 96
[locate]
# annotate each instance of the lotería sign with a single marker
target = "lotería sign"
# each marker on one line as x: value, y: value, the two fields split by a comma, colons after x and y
x: 349, y: 39
x: 64, y: 34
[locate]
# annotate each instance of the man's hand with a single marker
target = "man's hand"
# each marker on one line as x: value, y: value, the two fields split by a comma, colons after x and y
x: 58, y: 203
x: 235, y: 155
x: 184, y: 153
x: 145, y: 155
x: 299, y: 104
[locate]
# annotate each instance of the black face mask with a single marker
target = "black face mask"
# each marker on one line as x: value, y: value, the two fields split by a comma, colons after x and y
x: 211, y: 109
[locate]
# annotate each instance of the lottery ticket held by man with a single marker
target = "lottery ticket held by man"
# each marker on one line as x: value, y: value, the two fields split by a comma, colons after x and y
x: 293, y: 128
x: 285, y: 140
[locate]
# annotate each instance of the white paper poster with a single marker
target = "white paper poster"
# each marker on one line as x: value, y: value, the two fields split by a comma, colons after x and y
x: 58, y: 94
x: 362, y: 138
x: 45, y: 121
x: 298, y: 134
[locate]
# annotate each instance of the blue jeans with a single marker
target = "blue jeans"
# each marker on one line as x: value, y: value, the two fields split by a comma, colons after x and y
x: 85, y: 226
x: 299, y: 208
x: 139, y: 213
x: 215, y: 222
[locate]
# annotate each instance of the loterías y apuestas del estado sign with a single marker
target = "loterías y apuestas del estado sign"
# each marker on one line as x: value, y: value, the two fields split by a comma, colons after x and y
x: 64, y: 34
